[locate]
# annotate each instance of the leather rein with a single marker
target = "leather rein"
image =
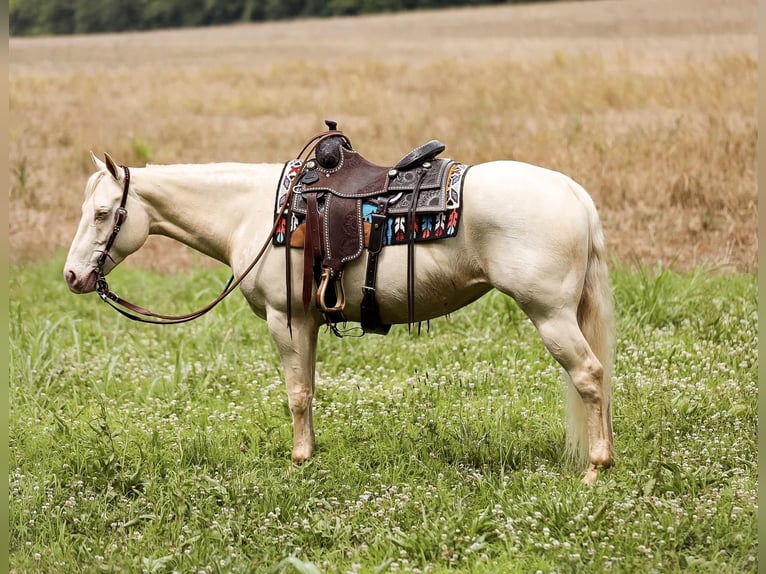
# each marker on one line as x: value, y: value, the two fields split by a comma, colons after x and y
x: 136, y: 313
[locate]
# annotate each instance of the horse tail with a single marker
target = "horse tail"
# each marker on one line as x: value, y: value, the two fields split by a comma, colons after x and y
x: 595, y: 317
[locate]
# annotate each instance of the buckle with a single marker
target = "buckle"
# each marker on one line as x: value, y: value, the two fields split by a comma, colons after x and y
x: 120, y: 215
x: 102, y: 288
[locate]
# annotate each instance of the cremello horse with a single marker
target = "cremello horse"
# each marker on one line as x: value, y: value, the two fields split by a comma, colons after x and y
x: 532, y: 233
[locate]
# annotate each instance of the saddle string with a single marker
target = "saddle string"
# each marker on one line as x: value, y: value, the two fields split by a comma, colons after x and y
x: 137, y: 313
x: 411, y: 232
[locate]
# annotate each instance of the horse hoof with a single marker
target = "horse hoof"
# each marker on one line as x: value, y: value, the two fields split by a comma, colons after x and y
x: 300, y: 455
x: 591, y: 476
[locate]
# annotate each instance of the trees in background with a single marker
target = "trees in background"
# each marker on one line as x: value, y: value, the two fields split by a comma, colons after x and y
x: 39, y: 17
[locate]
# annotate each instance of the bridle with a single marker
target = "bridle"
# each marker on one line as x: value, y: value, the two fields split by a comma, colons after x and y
x: 136, y: 313
x: 119, y: 218
x: 128, y: 309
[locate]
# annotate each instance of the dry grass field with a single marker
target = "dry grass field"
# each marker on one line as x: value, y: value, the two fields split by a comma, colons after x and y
x: 650, y: 104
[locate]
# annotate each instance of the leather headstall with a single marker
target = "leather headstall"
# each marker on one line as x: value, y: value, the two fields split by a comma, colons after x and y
x: 119, y: 218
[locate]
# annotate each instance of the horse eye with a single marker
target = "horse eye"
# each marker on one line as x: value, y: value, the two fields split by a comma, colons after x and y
x: 101, y: 214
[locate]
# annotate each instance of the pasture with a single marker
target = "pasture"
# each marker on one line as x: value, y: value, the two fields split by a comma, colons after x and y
x: 159, y: 449
x: 138, y: 448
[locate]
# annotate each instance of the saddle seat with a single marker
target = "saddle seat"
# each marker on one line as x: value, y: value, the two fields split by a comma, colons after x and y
x: 331, y: 190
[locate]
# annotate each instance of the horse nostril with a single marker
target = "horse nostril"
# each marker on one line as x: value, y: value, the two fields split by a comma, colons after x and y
x: 71, y: 277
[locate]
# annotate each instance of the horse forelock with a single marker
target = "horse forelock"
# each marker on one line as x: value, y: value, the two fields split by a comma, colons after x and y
x: 93, y: 181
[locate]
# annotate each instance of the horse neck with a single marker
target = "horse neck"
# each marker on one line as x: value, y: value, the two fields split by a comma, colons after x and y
x: 205, y: 205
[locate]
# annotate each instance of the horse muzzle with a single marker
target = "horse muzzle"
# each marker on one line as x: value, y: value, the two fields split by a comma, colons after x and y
x: 81, y: 283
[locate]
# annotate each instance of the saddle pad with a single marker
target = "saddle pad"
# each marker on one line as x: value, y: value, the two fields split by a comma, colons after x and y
x: 428, y: 224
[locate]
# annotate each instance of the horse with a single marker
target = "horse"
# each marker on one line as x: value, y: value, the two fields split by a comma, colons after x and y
x: 530, y: 232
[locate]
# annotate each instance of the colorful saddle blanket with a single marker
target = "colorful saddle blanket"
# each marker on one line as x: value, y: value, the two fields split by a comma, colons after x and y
x: 437, y: 214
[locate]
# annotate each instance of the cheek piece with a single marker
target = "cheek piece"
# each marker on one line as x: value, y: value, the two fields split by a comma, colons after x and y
x: 119, y: 218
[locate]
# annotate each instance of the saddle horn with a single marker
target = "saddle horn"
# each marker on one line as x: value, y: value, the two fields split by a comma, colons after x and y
x: 328, y: 151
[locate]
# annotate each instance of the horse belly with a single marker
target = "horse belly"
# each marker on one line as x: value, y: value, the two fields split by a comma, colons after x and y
x: 446, y: 279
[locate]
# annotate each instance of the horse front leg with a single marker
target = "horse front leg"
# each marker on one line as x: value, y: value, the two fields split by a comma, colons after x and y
x: 298, y: 355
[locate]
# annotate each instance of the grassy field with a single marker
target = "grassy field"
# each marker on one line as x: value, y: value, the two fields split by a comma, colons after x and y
x: 137, y: 448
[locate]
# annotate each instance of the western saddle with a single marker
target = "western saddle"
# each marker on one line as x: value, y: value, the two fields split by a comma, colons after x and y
x: 330, y: 191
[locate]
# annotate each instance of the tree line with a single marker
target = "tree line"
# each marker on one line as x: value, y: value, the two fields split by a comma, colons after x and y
x: 45, y: 17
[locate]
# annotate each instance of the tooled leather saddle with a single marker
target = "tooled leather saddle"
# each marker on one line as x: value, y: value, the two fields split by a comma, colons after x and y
x: 329, y: 194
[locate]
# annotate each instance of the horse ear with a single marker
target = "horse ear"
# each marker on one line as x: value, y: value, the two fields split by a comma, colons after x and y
x: 111, y: 166
x: 97, y: 162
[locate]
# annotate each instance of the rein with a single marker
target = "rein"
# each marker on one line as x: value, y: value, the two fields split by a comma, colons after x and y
x: 136, y: 313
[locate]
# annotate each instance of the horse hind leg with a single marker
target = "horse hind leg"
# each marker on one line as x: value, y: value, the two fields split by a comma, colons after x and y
x: 590, y: 408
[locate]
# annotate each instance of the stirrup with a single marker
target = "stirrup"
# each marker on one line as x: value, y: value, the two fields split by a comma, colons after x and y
x: 340, y: 297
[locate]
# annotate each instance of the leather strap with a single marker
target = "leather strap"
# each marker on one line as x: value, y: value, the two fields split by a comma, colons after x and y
x: 411, y: 233
x: 288, y: 263
x: 370, y: 313
x: 313, y: 246
x: 120, y: 215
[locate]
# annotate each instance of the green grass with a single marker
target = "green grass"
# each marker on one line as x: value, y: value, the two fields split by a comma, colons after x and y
x: 140, y: 448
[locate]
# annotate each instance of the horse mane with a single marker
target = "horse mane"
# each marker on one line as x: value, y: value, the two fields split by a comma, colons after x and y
x: 208, y: 174
x: 185, y: 167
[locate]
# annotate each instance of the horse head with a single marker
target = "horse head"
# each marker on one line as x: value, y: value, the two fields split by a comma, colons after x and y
x: 106, y: 234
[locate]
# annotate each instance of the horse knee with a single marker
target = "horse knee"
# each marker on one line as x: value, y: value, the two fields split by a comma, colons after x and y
x: 299, y: 400
x: 588, y: 382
